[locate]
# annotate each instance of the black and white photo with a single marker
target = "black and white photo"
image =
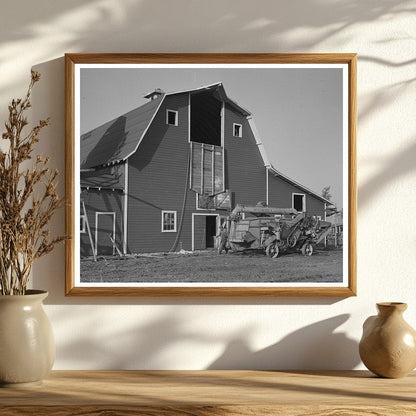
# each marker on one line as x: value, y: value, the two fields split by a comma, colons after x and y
x: 212, y: 175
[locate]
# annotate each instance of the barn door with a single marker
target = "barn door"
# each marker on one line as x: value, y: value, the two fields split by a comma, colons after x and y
x: 105, y: 226
x: 205, y: 228
x: 210, y: 231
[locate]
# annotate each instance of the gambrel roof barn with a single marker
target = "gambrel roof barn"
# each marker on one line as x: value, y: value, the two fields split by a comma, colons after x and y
x: 165, y: 175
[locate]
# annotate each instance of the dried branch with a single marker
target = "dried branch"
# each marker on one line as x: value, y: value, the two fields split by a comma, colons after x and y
x: 24, y: 217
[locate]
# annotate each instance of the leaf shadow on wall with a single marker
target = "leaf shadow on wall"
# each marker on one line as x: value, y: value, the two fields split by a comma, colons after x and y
x: 143, y: 346
x: 397, y: 166
x: 313, y: 347
x: 151, y: 345
x: 403, y: 162
x: 78, y: 26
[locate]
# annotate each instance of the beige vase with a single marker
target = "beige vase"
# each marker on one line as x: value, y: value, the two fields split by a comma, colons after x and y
x: 388, y: 345
x: 27, y: 347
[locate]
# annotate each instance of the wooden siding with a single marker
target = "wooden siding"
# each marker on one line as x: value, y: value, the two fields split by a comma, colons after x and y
x: 245, y: 174
x: 280, y: 196
x: 314, y: 206
x: 158, y: 179
x: 101, y: 201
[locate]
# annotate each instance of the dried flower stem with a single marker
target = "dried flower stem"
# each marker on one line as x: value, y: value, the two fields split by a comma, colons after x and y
x: 23, y: 217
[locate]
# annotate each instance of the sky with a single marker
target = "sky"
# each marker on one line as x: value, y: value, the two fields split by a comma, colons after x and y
x: 297, y: 111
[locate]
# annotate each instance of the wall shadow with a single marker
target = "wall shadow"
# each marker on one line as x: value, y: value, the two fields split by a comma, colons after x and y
x: 136, y: 20
x: 391, y: 170
x: 144, y: 346
x: 313, y: 347
x: 77, y: 26
x: 139, y: 347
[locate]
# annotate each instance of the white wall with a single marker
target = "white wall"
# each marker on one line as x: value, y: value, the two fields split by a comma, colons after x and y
x: 200, y: 333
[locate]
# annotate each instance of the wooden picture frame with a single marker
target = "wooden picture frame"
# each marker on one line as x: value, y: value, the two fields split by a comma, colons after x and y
x: 109, y: 172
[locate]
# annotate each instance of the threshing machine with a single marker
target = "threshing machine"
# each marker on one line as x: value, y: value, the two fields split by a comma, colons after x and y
x: 274, y: 230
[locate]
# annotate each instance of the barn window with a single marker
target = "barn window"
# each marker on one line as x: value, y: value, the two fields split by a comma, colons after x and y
x: 299, y: 202
x: 172, y: 117
x: 83, y: 224
x: 169, y: 221
x: 237, y: 130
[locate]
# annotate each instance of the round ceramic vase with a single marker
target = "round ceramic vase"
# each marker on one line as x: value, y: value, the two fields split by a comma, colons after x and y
x: 27, y: 347
x: 388, y: 345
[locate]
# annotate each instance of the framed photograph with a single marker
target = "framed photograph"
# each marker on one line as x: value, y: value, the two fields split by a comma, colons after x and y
x: 211, y: 174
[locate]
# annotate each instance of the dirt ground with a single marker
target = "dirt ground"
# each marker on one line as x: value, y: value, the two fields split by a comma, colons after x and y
x: 208, y: 266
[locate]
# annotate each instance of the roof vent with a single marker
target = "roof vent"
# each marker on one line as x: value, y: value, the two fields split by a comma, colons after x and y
x: 154, y: 94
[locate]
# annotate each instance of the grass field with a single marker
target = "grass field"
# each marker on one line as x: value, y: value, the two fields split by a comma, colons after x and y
x: 208, y: 266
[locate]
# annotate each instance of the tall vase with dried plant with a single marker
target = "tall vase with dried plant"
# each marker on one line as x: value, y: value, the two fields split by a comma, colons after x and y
x: 28, y: 200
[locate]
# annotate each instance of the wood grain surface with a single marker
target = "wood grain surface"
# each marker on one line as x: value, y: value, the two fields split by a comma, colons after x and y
x: 202, y: 393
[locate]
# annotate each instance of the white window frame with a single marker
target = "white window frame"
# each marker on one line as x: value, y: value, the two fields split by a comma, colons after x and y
x: 241, y: 130
x: 304, y: 201
x: 83, y: 228
x: 167, y: 117
x: 174, y: 219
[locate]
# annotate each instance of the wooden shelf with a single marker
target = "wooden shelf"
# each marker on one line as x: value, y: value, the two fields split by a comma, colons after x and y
x: 203, y: 393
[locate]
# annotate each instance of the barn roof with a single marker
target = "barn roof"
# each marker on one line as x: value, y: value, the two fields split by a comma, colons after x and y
x: 222, y: 95
x: 280, y: 175
x: 118, y: 139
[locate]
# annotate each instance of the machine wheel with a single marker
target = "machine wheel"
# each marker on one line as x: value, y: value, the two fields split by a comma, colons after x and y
x: 272, y: 250
x: 307, y: 249
x: 292, y: 240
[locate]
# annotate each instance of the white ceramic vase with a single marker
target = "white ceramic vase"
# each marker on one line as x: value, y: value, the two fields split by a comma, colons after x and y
x: 27, y: 347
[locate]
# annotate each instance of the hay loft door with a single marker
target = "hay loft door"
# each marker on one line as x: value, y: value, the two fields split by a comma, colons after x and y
x: 207, y: 152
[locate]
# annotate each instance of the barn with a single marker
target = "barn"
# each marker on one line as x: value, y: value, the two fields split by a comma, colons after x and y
x: 164, y: 176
